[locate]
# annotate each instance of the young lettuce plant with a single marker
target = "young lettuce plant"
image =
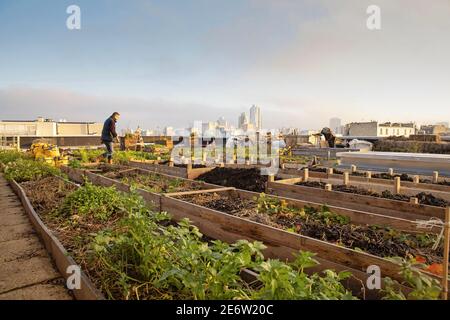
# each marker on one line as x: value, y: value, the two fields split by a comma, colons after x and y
x: 423, y: 286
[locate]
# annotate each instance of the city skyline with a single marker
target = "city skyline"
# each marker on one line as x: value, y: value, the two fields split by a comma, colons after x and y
x: 302, y: 61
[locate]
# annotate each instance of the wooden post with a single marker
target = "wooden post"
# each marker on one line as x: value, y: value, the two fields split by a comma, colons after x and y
x: 328, y: 187
x: 283, y: 166
x: 305, y: 174
x: 346, y: 178
x: 397, y: 185
x: 171, y: 162
x: 416, y: 179
x: 369, y: 174
x: 446, y: 254
x: 435, y: 176
x: 391, y: 171
x: 271, y: 178
x: 353, y: 168
x: 330, y: 171
x: 413, y: 200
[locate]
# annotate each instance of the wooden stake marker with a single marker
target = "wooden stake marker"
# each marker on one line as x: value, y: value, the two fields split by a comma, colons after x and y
x: 397, y: 185
x: 435, y: 176
x: 346, y: 178
x: 305, y: 174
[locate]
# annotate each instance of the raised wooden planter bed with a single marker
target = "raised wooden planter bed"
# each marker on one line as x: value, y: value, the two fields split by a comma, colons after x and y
x: 406, y: 162
x: 418, y: 187
x: 387, y: 207
x: 380, y: 185
x: 280, y: 244
x: 421, y: 186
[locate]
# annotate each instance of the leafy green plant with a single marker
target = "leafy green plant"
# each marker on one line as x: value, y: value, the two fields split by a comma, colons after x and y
x: 171, y: 262
x: 327, y: 216
x: 285, y: 281
x: 98, y: 202
x: 75, y: 163
x: 87, y: 155
x: 22, y: 170
x: 7, y: 156
x: 271, y: 206
x: 124, y: 157
x: 424, y: 286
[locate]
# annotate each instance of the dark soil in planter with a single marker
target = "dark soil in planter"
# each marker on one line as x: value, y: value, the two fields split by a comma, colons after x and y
x: 324, y: 170
x: 318, y: 169
x: 247, y: 179
x: 358, y: 174
x: 194, y: 166
x: 403, y: 176
x: 48, y: 193
x: 424, y: 198
x: 429, y: 199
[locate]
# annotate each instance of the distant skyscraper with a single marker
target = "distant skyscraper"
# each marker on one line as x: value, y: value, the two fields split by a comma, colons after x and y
x: 335, y: 125
x: 221, y: 122
x: 255, y: 117
x: 243, y: 120
x: 168, y: 131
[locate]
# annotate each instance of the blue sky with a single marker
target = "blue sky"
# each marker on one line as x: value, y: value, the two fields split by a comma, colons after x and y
x: 172, y: 62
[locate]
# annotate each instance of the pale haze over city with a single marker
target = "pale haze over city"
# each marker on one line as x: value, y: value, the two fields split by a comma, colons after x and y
x: 169, y: 63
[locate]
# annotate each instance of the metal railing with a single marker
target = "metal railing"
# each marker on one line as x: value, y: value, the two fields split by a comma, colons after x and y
x: 9, y: 142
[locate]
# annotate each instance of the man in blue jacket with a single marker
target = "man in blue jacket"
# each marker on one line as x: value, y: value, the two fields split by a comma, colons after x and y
x: 109, y: 134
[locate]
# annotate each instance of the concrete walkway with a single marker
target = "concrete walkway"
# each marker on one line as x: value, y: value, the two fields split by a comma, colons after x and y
x: 26, y: 269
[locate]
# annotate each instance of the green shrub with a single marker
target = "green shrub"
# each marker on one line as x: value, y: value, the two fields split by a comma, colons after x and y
x: 98, y: 202
x: 26, y: 170
x: 7, y: 156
